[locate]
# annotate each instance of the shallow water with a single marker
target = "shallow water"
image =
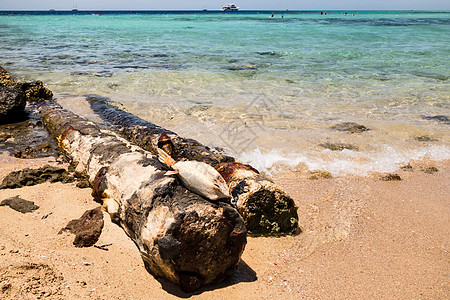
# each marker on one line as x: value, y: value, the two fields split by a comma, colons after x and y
x: 265, y: 89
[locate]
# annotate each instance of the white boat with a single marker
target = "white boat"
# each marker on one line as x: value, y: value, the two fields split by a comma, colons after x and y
x: 229, y: 7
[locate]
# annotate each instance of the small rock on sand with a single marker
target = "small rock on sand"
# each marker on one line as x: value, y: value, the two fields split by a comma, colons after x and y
x: 87, y: 229
x: 338, y: 146
x: 430, y: 170
x: 19, y: 204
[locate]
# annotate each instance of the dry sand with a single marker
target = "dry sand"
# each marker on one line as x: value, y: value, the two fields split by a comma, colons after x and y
x: 362, y: 238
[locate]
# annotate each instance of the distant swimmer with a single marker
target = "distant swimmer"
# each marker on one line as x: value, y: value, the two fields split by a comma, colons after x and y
x: 272, y: 15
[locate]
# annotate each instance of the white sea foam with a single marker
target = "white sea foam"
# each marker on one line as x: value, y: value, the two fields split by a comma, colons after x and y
x: 346, y: 162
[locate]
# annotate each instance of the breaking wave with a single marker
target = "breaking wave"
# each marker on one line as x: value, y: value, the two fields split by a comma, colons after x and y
x: 346, y: 162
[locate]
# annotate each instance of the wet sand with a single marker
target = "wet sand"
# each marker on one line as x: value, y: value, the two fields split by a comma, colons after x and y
x: 361, y: 238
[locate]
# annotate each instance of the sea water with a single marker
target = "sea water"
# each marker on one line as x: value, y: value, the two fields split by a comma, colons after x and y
x: 265, y: 89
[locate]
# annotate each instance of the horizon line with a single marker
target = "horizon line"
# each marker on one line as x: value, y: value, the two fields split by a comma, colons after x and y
x: 218, y: 10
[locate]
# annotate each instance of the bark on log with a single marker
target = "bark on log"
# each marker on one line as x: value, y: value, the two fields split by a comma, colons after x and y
x: 181, y: 236
x: 264, y: 206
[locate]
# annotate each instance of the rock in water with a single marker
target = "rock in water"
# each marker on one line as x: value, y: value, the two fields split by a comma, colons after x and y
x: 12, y: 104
x: 87, y: 229
x: 19, y: 204
x: 36, y: 91
x: 338, y: 146
x: 5, y: 78
x: 438, y: 118
x: 350, y: 127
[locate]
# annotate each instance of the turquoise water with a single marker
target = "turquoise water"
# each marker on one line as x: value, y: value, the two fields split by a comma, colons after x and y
x: 265, y: 89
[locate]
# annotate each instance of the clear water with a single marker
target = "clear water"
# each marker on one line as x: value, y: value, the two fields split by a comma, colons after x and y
x: 265, y: 89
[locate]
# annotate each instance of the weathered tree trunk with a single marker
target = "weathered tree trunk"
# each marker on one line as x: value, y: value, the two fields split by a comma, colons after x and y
x: 264, y: 206
x: 181, y: 236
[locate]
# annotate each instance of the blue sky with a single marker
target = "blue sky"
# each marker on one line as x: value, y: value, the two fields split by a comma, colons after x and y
x: 216, y: 4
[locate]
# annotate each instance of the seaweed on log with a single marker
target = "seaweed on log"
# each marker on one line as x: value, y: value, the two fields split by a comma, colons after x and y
x: 264, y: 206
x: 181, y: 236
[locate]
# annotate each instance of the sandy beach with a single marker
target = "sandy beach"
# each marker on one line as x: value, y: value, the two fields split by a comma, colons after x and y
x: 369, y: 111
x: 362, y: 238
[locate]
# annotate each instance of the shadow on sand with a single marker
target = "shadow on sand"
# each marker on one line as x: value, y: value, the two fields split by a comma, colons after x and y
x: 243, y: 274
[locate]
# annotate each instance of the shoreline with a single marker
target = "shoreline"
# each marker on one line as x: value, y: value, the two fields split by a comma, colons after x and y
x: 297, y: 148
x: 361, y: 237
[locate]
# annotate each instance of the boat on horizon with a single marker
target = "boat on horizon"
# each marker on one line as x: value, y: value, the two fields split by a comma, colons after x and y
x: 229, y: 7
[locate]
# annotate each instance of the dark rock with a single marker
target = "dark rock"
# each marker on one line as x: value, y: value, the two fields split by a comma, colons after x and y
x: 35, y: 91
x: 338, y: 146
x: 319, y: 175
x: 391, y: 177
x: 438, y: 118
x: 424, y: 138
x: 240, y: 68
x: 350, y: 127
x: 82, y: 180
x: 19, y: 204
x: 407, y: 167
x: 430, y: 170
x: 269, y: 53
x: 87, y: 229
x: 27, y: 177
x: 32, y: 91
x: 83, y: 183
x: 160, y: 55
x: 12, y: 104
x: 28, y: 152
x: 5, y: 78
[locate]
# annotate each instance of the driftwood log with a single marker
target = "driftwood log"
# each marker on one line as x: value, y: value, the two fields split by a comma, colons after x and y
x: 181, y: 236
x: 264, y: 206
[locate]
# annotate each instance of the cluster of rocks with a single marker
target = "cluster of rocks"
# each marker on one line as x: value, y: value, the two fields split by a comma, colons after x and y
x: 22, y: 133
x: 14, y: 97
